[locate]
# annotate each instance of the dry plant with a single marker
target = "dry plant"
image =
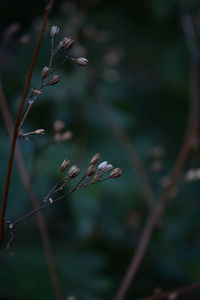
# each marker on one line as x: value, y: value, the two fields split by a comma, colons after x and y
x: 99, y: 172
x: 93, y: 175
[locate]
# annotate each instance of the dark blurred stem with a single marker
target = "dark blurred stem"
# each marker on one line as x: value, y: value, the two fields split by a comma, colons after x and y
x: 175, y: 293
x: 132, y: 153
x: 19, y: 159
x: 190, y: 136
x: 18, y: 120
x: 27, y: 184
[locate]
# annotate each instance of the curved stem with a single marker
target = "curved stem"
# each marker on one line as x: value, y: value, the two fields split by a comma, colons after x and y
x: 18, y: 119
x: 190, y: 135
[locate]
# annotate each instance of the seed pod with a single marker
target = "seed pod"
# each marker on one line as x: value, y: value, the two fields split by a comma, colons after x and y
x: 74, y: 171
x: 97, y: 177
x: 58, y: 126
x: 64, y: 165
x: 66, y: 42
x: 45, y: 72
x: 91, y: 170
x: 115, y: 173
x: 54, y: 30
x: 102, y: 166
x: 39, y: 131
x: 36, y: 92
x: 82, y: 61
x: 95, y: 159
x: 25, y: 39
x: 62, y: 137
x: 54, y: 80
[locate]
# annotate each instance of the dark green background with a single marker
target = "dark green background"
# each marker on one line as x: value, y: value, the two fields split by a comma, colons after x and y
x: 145, y: 89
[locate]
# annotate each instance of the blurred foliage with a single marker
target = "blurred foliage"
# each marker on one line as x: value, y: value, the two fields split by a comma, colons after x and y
x: 138, y: 67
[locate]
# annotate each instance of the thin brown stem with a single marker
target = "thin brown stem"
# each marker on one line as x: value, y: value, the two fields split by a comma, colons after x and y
x: 28, y: 187
x: 175, y: 293
x: 25, y: 116
x: 18, y: 119
x: 48, y: 201
x: 190, y: 135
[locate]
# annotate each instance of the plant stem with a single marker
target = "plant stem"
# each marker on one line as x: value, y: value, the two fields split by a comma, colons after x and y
x: 190, y: 135
x: 18, y: 120
x: 176, y: 292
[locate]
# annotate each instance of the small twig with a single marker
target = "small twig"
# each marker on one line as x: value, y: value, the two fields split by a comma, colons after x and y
x: 175, y: 293
x: 190, y: 136
x: 51, y: 57
x: 40, y: 217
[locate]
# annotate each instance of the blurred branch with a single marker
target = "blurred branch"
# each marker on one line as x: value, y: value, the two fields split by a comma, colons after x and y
x: 18, y: 118
x: 174, y: 293
x: 134, y: 157
x: 30, y: 193
x: 190, y: 135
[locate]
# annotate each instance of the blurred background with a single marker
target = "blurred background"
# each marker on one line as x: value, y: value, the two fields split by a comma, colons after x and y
x: 132, y: 98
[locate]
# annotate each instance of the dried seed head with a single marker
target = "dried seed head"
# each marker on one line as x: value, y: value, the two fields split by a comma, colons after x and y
x: 74, y: 171
x: 82, y: 61
x: 173, y: 296
x: 95, y: 159
x: 54, y: 80
x: 36, y: 92
x: 64, y: 165
x: 39, y: 131
x: 109, y: 167
x: 91, y: 170
x: 54, y: 30
x: 45, y: 72
x: 115, y: 173
x: 66, y: 42
x: 62, y: 137
x: 58, y: 125
x: 104, y: 166
x: 25, y: 39
x: 97, y: 177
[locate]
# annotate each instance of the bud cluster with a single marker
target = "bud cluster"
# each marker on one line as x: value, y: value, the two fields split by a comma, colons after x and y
x: 92, y: 175
x: 193, y: 174
x: 97, y: 172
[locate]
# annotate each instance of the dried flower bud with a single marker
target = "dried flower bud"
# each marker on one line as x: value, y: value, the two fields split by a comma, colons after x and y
x: 58, y: 126
x: 97, y: 177
x: 25, y: 39
x: 91, y: 170
x: 66, y: 42
x: 54, y: 80
x: 64, y: 165
x: 62, y: 137
x: 95, y: 159
x: 74, y: 171
x: 115, y: 173
x: 54, y: 30
x: 36, y: 92
x: 45, y: 72
x: 104, y: 166
x: 39, y: 131
x: 81, y: 61
x: 109, y: 167
x: 173, y: 296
